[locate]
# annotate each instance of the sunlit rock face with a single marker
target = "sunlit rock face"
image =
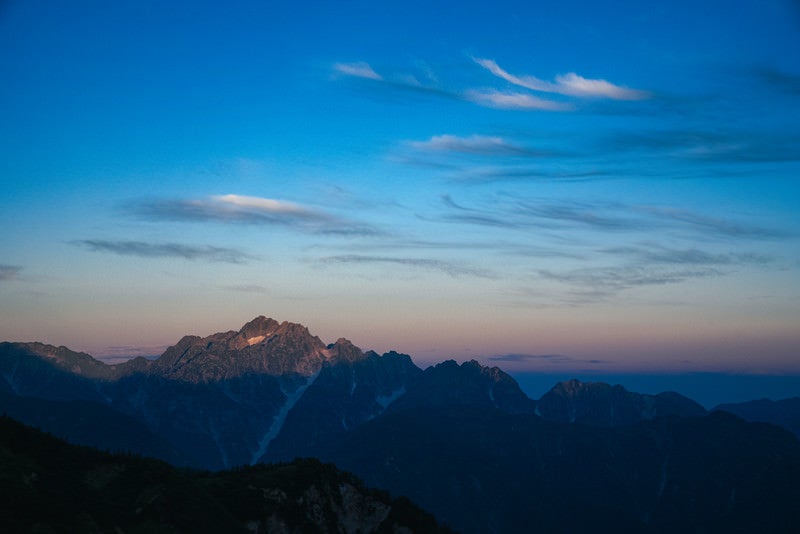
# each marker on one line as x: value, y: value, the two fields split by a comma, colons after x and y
x: 262, y: 346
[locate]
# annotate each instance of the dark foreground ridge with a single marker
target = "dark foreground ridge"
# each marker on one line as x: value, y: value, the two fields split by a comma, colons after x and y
x: 48, y: 485
x: 462, y: 440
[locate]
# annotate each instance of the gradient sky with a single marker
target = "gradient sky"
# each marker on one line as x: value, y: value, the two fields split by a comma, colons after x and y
x: 538, y: 185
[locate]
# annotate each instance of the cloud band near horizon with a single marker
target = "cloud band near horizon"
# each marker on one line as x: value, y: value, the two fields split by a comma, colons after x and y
x: 166, y: 250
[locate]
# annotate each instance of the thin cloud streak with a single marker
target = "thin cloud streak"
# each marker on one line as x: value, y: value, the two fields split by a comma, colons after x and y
x: 423, y: 263
x: 230, y: 208
x: 710, y: 225
x: 483, y: 145
x: 166, y: 250
x: 359, y: 69
x: 406, y: 82
x: 643, y: 264
x: 265, y: 205
x: 528, y: 82
x: 569, y: 84
x: 731, y: 146
x: 611, y: 280
x: 540, y: 214
x: 657, y: 254
x: 484, y: 97
x: 510, y: 100
x: 600, y: 216
x: 474, y: 144
x: 581, y: 213
x: 489, y: 247
x: 502, y: 174
x: 249, y: 210
x: 575, y: 85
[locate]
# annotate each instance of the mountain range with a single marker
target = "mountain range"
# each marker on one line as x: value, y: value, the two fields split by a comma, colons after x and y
x: 463, y: 441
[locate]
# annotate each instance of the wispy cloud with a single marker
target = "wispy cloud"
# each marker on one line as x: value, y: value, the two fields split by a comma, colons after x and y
x: 498, y: 246
x: 484, y: 145
x: 710, y: 225
x: 249, y: 210
x: 483, y: 97
x: 528, y: 82
x: 636, y: 263
x: 486, y: 175
x: 265, y: 205
x: 657, y: 254
x: 230, y: 208
x: 359, y: 69
x: 512, y: 100
x: 574, y: 85
x: 449, y: 268
x: 528, y: 213
x: 599, y: 216
x: 9, y: 272
x: 403, y: 82
x: 612, y: 280
x: 474, y: 144
x: 730, y: 146
x: 569, y: 84
x: 605, y: 216
x: 165, y: 250
x: 481, y: 217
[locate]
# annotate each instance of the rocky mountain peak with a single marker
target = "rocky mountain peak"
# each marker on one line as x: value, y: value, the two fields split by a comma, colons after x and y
x: 260, y: 326
x: 344, y: 351
x: 262, y: 346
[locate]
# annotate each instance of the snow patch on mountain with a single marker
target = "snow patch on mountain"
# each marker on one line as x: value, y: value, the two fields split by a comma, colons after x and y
x: 280, y: 417
x: 386, y: 400
x: 218, y: 442
x: 254, y: 340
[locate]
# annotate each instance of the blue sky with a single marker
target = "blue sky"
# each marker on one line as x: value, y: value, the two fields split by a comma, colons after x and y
x: 575, y: 185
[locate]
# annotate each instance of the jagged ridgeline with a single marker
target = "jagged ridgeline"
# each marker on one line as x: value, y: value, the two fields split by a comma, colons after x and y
x: 462, y: 441
x: 213, y: 402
